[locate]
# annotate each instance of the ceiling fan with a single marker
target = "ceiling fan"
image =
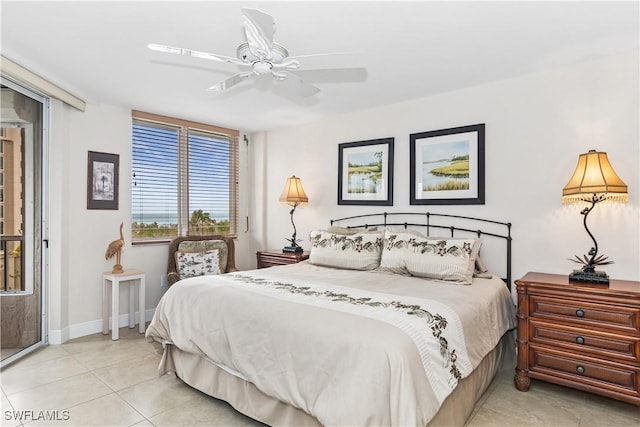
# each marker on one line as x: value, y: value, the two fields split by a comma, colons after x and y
x: 259, y: 55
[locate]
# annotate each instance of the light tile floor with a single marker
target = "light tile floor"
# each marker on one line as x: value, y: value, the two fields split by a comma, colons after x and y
x: 93, y: 381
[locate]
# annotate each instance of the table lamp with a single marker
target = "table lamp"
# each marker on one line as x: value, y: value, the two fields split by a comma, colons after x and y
x: 593, y: 181
x: 293, y: 195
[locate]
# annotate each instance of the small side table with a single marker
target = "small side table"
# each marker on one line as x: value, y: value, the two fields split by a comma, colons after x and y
x: 115, y: 280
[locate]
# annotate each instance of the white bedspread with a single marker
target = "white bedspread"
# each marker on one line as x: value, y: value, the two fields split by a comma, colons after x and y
x: 348, y: 347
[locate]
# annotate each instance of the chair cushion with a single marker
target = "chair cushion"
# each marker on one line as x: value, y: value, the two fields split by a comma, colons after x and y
x: 191, y: 264
x: 205, y: 246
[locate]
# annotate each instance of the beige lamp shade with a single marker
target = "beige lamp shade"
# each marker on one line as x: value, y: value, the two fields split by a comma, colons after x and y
x: 293, y: 193
x: 594, y: 178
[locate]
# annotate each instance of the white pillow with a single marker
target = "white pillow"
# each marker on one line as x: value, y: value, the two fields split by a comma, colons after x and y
x: 191, y: 264
x: 481, y: 269
x: 360, y: 251
x: 446, y: 259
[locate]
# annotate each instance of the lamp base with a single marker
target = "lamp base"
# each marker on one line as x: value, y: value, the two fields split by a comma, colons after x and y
x: 292, y: 249
x: 599, y: 277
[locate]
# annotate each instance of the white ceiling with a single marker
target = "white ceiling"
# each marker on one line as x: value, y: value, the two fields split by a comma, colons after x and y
x: 97, y: 50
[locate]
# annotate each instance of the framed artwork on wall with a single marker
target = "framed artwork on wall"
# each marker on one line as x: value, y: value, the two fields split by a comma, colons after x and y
x: 102, y: 180
x: 447, y: 166
x: 365, y: 172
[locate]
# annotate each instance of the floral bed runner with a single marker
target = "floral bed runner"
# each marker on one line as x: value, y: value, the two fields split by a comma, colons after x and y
x: 433, y: 327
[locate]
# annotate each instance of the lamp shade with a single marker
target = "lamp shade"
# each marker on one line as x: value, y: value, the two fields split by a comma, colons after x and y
x: 594, y: 178
x: 293, y: 193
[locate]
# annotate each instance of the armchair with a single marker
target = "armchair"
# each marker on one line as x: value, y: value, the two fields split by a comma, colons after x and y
x: 198, y: 244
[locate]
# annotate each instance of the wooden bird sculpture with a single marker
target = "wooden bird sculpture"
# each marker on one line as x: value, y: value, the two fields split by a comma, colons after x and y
x: 115, y: 248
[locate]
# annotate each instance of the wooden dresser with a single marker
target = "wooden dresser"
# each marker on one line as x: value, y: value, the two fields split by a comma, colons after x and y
x: 274, y: 257
x: 579, y: 335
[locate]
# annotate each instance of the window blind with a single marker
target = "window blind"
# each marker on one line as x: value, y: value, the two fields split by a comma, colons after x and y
x: 184, y: 178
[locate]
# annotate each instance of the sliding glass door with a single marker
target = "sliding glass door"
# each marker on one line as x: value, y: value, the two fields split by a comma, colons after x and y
x: 22, y: 256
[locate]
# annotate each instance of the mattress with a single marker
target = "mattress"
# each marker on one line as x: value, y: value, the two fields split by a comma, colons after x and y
x: 307, y: 344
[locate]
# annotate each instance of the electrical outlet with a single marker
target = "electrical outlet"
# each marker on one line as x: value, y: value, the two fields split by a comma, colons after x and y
x: 163, y: 280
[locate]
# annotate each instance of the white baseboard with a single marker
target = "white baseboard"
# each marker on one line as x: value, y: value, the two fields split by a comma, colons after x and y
x: 58, y: 336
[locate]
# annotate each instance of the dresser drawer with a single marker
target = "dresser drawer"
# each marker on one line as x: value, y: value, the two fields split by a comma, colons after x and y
x: 585, y: 314
x: 600, y: 344
x: 617, y: 378
x: 272, y: 262
x: 273, y: 258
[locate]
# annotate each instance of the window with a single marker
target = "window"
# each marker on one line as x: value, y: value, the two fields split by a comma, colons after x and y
x: 184, y: 178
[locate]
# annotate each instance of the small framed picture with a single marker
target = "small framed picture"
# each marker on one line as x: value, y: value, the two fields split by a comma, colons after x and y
x: 102, y: 181
x: 365, y: 172
x: 447, y: 166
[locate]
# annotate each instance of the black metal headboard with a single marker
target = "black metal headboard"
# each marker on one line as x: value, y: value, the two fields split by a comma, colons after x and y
x: 430, y: 220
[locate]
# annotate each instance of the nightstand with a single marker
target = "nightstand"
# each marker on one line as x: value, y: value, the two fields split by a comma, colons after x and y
x: 111, y: 285
x: 272, y: 257
x: 579, y: 335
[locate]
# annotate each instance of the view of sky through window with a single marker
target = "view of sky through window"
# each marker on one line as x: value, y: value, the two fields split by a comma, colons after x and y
x: 156, y: 174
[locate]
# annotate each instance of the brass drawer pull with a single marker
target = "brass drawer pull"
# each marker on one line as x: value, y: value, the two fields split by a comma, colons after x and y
x: 580, y: 312
x: 580, y: 340
x: 580, y: 369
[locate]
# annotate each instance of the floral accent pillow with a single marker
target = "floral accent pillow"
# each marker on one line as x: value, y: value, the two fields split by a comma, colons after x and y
x: 192, y: 264
x: 206, y: 246
x: 360, y: 251
x: 446, y: 259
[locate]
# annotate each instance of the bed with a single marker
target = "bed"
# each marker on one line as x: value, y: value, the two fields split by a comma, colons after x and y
x: 343, y: 339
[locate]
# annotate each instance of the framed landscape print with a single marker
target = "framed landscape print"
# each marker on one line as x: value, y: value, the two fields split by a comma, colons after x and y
x: 365, y: 172
x: 102, y: 181
x: 447, y: 166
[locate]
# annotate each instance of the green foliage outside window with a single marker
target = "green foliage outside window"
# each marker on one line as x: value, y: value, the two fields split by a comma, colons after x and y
x: 200, y: 224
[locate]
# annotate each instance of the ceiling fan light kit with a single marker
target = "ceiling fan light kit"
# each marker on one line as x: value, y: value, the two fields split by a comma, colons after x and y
x: 277, y: 54
x: 260, y: 55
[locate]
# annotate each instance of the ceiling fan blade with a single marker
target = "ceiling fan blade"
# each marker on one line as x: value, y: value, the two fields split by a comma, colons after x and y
x: 194, y: 53
x: 231, y: 81
x: 294, y: 83
x: 311, y: 55
x: 328, y: 60
x: 259, y: 28
x: 334, y: 75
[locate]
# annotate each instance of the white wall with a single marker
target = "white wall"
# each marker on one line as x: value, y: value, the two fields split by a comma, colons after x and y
x: 536, y: 126
x: 79, y: 237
